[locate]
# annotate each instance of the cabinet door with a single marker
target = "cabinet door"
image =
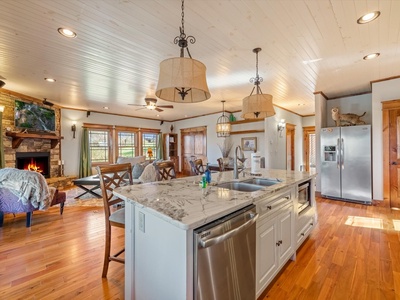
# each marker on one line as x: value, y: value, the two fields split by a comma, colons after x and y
x: 285, y: 235
x: 266, y: 259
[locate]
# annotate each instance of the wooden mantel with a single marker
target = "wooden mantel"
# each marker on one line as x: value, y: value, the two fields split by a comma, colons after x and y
x: 18, y: 137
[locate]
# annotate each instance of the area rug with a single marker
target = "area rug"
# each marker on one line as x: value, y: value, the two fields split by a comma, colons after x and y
x: 85, y: 200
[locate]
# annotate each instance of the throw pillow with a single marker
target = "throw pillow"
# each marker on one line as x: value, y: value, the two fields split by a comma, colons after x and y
x: 149, y: 174
x: 132, y: 160
x: 137, y: 170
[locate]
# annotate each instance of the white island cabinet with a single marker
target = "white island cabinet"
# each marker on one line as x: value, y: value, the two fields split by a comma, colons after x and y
x: 161, y: 217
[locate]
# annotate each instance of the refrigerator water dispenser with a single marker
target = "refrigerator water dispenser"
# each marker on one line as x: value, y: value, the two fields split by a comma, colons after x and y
x: 330, y: 153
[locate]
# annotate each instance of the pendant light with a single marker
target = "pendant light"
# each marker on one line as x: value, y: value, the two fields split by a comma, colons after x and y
x: 182, y: 79
x: 223, y: 125
x: 259, y: 105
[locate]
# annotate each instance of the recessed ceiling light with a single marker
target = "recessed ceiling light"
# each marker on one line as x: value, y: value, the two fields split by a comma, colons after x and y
x: 371, y: 56
x: 67, y: 32
x: 368, y: 17
x: 157, y: 115
x: 50, y: 79
x: 105, y: 107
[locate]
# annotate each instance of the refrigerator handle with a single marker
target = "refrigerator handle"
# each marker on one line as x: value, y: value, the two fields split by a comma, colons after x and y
x: 342, y: 153
x: 337, y: 153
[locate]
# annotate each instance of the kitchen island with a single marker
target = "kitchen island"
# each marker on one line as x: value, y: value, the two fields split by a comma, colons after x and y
x: 161, y: 216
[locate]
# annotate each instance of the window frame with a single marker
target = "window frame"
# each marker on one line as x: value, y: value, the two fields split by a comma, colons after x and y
x: 113, y: 133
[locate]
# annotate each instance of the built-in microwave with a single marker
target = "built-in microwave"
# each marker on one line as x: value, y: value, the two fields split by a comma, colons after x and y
x: 303, y: 196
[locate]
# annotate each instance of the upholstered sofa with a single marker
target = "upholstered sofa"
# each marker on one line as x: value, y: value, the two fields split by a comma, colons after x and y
x: 24, y: 191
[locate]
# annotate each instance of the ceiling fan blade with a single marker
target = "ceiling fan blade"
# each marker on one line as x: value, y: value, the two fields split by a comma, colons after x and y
x: 137, y: 105
x: 158, y: 109
x: 165, y: 106
x: 141, y: 108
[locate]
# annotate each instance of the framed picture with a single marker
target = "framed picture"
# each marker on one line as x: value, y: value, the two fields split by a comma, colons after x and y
x: 249, y: 144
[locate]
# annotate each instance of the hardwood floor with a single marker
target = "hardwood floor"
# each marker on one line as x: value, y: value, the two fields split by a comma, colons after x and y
x: 61, y: 257
x: 353, y: 253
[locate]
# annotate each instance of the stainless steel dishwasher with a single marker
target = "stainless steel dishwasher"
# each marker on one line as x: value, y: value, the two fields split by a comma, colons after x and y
x: 224, y: 257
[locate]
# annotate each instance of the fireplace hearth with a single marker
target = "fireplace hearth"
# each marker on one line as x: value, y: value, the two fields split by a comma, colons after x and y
x: 34, y: 161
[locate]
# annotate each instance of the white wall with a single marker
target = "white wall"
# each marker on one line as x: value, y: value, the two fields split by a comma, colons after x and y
x: 70, y: 147
x: 213, y: 151
x: 354, y: 104
x: 276, y: 143
x: 269, y: 143
x: 308, y: 121
x: 381, y: 91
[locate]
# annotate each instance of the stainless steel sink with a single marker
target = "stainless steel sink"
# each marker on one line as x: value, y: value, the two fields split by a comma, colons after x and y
x: 262, y: 181
x: 239, y: 186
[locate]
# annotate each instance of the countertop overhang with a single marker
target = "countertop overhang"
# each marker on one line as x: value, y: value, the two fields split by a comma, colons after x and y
x: 185, y: 204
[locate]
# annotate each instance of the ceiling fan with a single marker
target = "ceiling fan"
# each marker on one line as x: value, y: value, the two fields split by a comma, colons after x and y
x: 151, y: 103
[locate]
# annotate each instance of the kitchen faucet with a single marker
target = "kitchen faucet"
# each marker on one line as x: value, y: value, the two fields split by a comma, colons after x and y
x: 235, y: 164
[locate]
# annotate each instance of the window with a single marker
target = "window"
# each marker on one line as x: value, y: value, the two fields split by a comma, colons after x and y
x: 99, y: 146
x: 108, y: 142
x: 126, y: 144
x: 149, y: 141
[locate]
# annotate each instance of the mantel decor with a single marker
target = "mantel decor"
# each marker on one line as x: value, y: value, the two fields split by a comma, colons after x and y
x: 18, y: 137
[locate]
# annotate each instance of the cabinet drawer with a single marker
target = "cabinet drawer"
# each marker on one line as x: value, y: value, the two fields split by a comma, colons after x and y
x: 305, y: 231
x: 268, y: 207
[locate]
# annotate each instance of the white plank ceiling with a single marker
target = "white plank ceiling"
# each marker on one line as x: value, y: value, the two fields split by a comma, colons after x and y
x: 114, y: 60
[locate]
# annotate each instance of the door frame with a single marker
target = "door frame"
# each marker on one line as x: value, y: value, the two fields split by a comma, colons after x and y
x: 386, y: 107
x: 203, y: 130
x: 307, y: 130
x: 291, y: 133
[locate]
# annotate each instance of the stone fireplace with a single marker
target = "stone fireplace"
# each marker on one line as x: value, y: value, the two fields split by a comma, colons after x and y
x: 34, y: 161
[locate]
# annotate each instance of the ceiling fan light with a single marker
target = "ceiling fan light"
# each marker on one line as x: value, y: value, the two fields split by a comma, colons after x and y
x: 182, y: 75
x: 258, y: 106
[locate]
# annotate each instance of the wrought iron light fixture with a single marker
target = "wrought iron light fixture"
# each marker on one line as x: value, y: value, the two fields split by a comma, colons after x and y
x: 182, y: 79
x: 223, y: 125
x: 259, y: 105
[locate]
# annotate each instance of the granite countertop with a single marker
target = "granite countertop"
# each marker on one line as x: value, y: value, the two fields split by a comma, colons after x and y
x: 185, y: 204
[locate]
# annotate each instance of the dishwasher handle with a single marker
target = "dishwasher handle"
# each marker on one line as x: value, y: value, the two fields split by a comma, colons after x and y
x: 227, y: 235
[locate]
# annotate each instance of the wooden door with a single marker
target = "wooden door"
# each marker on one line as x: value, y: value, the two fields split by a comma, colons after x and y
x: 290, y: 131
x: 394, y: 157
x: 194, y: 146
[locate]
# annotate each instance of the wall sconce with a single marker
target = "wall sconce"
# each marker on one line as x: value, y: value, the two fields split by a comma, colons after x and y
x: 73, y: 129
x: 1, y: 108
x: 281, y: 126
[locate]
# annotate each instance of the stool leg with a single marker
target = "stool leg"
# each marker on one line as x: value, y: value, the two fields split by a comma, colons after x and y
x: 61, y: 208
x: 1, y: 218
x: 28, y: 219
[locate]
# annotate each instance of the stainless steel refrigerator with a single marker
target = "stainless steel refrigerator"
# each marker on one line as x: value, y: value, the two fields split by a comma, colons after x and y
x: 346, y: 163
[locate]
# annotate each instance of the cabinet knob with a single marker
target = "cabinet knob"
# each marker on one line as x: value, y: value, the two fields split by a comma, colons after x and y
x: 302, y: 234
x: 277, y: 244
x: 311, y: 224
x: 269, y: 207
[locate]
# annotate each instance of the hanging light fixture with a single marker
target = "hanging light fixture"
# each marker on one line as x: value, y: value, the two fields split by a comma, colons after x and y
x: 182, y: 79
x: 223, y: 125
x: 259, y: 105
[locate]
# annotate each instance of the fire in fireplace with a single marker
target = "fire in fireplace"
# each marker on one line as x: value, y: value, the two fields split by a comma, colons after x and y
x: 34, y: 161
